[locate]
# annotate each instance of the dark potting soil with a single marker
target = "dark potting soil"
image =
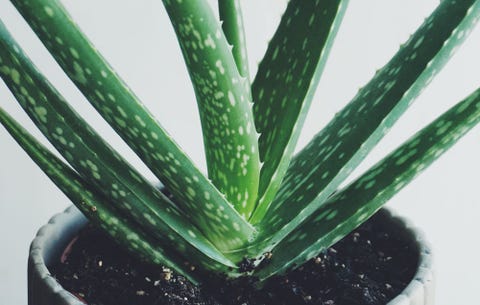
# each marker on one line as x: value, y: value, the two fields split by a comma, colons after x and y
x: 369, y: 266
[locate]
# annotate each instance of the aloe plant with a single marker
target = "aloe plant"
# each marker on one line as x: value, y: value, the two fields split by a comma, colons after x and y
x: 258, y: 197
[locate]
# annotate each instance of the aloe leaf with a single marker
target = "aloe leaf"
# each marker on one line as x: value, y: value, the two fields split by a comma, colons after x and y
x: 104, y: 89
x: 224, y: 103
x: 350, y: 207
x: 99, y: 164
x: 326, y: 161
x: 232, y: 24
x: 285, y: 84
x: 96, y: 207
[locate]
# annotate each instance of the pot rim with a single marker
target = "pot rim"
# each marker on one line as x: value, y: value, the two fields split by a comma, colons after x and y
x: 61, y: 227
x: 421, y: 289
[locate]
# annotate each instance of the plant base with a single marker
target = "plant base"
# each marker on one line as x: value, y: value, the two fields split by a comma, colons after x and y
x: 370, y: 266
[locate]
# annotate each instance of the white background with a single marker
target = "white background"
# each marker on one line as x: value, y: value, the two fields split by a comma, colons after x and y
x: 136, y: 38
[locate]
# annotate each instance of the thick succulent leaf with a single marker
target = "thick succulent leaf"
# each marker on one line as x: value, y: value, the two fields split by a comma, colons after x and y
x: 348, y: 208
x: 326, y: 161
x: 96, y: 207
x: 104, y: 89
x: 285, y: 84
x: 99, y: 164
x: 232, y: 24
x: 224, y: 103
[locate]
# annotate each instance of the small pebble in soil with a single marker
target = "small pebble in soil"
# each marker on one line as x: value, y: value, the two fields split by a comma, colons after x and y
x: 369, y: 266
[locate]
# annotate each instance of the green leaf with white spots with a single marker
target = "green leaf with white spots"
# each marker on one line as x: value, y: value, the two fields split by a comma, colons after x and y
x: 96, y: 162
x: 317, y: 171
x: 194, y: 193
x: 224, y: 103
x: 285, y: 84
x: 350, y: 207
x: 97, y: 208
x: 230, y: 12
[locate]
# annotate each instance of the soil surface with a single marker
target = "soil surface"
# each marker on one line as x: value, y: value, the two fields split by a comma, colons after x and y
x: 369, y: 266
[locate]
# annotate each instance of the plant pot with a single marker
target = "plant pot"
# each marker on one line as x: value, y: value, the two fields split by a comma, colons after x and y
x: 52, y: 239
